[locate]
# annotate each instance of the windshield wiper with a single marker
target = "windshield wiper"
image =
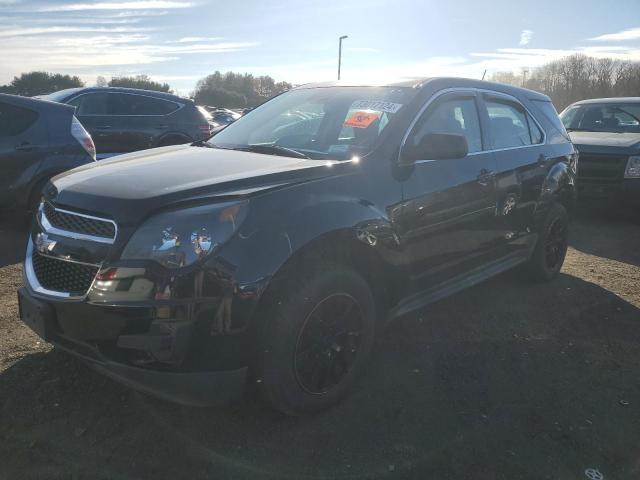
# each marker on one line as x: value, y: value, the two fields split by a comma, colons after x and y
x: 579, y: 130
x: 274, y: 150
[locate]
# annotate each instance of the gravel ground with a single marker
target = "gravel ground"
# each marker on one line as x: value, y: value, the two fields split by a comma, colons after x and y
x: 507, y: 380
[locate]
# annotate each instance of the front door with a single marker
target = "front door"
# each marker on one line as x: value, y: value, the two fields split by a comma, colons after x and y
x: 447, y: 225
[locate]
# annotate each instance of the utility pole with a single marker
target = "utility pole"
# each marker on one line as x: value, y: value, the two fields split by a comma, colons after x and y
x: 340, y: 52
x: 524, y: 76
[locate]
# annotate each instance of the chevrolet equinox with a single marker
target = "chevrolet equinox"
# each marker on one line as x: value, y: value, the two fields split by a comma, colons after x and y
x: 270, y: 255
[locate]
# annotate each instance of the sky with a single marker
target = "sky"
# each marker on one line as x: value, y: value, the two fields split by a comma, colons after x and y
x: 181, y: 41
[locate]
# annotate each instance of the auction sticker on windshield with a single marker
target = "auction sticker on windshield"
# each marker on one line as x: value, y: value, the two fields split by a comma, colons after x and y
x: 361, y: 119
x: 388, y: 107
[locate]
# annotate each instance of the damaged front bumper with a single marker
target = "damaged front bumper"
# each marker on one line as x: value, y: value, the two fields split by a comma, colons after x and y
x: 181, y: 385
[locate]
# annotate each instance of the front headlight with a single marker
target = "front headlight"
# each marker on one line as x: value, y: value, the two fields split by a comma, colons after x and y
x: 179, y: 238
x: 633, y: 168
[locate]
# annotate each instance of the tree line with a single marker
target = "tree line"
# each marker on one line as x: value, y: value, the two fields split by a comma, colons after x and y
x: 578, y: 77
x: 228, y: 89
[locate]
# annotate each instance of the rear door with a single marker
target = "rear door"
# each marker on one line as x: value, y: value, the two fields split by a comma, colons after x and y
x: 23, y: 143
x: 520, y: 165
x: 447, y: 220
x: 139, y: 120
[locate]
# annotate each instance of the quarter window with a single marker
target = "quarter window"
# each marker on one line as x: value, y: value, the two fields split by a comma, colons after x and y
x: 534, y: 130
x: 15, y: 120
x: 457, y: 116
x: 508, y: 125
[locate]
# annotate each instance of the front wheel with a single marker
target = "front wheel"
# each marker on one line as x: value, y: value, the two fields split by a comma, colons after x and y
x: 318, y: 337
x: 551, y: 248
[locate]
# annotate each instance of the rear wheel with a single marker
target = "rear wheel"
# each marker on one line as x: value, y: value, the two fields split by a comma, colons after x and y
x: 551, y: 249
x: 317, y: 340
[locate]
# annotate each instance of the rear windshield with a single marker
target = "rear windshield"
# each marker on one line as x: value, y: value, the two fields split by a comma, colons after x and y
x: 59, y: 96
x: 603, y: 117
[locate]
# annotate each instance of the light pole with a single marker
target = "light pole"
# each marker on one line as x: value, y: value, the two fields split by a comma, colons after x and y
x: 340, y: 52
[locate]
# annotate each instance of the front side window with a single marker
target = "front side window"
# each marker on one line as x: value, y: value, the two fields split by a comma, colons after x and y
x: 90, y: 104
x: 334, y: 123
x: 615, y: 118
x: 508, y: 124
x: 457, y: 116
x: 15, y: 120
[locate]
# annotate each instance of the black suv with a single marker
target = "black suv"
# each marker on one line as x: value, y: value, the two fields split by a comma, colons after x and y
x: 273, y: 253
x: 122, y: 120
x: 606, y: 132
x: 38, y: 140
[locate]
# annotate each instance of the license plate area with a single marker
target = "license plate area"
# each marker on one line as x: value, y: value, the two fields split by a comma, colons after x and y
x: 35, y: 314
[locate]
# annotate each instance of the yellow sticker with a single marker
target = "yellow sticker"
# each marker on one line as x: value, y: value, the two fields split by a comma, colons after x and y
x: 361, y: 119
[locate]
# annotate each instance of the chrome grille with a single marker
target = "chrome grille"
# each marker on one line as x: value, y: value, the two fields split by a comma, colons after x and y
x: 601, y: 167
x: 56, y: 275
x: 77, y: 223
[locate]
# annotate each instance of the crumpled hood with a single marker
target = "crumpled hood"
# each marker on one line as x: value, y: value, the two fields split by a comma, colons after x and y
x: 606, y: 142
x: 154, y: 178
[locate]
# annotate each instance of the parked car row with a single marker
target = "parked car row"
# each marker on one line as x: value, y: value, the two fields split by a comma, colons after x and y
x: 122, y: 120
x: 272, y: 252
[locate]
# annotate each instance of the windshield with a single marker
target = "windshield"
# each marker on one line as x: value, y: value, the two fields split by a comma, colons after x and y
x: 602, y: 117
x: 60, y: 95
x: 334, y: 123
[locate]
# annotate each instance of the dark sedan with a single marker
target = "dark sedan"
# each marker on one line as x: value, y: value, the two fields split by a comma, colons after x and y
x: 122, y: 120
x: 606, y: 132
x: 38, y: 140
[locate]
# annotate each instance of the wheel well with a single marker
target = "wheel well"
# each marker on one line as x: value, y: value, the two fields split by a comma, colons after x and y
x: 341, y: 248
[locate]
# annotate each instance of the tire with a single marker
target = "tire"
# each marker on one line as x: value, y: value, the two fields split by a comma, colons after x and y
x: 551, y: 248
x: 320, y: 330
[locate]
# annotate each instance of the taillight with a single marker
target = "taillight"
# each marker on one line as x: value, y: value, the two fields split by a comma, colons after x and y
x: 83, y: 137
x: 205, y: 128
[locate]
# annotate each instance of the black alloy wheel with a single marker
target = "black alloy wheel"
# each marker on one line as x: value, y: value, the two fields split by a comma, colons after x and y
x: 328, y: 343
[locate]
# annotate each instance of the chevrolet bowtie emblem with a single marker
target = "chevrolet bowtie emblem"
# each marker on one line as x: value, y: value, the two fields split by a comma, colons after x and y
x: 44, y: 244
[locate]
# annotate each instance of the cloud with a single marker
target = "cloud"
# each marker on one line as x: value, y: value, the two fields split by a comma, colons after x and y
x: 525, y: 37
x: 630, y: 34
x: 134, y: 5
x: 198, y: 39
x: 23, y: 32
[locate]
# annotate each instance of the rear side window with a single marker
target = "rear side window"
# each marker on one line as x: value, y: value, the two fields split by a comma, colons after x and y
x: 125, y: 104
x: 508, y: 124
x: 550, y: 112
x: 15, y: 120
x: 457, y: 116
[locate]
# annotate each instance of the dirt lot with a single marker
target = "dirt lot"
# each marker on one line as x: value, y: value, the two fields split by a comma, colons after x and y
x: 506, y: 380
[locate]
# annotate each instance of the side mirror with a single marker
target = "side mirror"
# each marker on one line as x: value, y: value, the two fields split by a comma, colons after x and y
x: 437, y: 146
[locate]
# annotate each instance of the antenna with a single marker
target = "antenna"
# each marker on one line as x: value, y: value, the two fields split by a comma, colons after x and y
x: 485, y: 72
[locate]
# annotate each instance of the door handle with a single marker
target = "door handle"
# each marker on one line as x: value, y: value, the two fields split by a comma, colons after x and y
x: 103, y: 127
x: 27, y: 147
x: 161, y: 127
x: 485, y: 177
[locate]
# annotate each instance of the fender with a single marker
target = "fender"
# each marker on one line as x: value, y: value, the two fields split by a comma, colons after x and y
x: 558, y: 186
